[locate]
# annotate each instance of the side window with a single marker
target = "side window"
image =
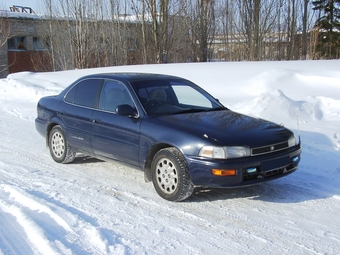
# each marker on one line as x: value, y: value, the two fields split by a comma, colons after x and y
x: 70, y: 94
x: 114, y: 93
x: 84, y: 93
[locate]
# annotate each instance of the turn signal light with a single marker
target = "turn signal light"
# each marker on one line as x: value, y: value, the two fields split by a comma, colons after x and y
x: 220, y: 172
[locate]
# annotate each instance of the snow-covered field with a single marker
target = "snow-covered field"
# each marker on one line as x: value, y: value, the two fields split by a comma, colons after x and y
x: 95, y: 207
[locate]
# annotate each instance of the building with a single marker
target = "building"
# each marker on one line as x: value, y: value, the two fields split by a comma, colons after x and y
x: 19, y: 42
x: 26, y: 44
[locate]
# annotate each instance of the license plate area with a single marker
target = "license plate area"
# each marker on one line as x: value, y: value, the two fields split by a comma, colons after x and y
x: 275, y: 163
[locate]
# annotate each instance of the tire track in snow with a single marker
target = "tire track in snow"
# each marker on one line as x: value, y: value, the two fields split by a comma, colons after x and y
x: 11, y: 234
x: 49, y: 228
x: 26, y: 200
x: 78, y: 237
x: 189, y: 219
x: 239, y: 224
x: 35, y: 237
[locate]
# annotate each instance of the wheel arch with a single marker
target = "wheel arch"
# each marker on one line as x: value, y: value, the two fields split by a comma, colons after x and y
x: 148, y: 161
x: 48, y: 130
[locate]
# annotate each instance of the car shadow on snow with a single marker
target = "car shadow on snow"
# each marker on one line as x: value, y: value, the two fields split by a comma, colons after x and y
x: 278, y: 191
x: 83, y: 159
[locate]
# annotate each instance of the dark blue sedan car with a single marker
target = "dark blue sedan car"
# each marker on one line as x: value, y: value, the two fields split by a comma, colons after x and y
x: 181, y: 136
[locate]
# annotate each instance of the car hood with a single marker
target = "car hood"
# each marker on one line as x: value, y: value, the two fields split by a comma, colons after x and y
x: 228, y: 128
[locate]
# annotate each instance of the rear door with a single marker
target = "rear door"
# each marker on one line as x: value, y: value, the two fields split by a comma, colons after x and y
x: 76, y: 111
x: 115, y: 136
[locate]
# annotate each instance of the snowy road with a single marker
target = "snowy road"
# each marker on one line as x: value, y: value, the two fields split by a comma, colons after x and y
x: 96, y: 207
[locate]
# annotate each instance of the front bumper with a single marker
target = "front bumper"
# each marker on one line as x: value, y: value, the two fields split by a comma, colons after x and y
x: 250, y: 170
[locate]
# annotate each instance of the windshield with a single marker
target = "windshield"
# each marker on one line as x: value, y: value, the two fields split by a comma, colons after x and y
x: 173, y: 97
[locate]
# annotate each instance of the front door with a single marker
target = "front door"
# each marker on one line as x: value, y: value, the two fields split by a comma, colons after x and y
x: 115, y: 136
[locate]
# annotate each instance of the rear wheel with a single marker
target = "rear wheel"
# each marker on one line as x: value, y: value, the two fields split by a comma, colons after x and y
x: 60, y: 151
x: 170, y: 175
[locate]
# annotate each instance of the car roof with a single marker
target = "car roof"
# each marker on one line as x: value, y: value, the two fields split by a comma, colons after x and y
x: 130, y: 77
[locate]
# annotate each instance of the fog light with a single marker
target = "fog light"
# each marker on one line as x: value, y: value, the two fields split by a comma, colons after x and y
x: 251, y: 170
x: 220, y: 172
x: 295, y: 159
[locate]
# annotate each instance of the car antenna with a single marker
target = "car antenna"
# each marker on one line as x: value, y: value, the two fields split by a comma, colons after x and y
x: 298, y: 126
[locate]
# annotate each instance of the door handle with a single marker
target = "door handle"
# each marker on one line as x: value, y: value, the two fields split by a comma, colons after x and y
x: 62, y: 113
x: 97, y: 121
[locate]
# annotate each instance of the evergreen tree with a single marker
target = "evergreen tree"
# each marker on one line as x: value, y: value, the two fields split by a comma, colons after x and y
x: 328, y: 25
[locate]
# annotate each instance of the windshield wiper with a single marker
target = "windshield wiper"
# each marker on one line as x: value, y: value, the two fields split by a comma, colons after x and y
x: 189, y: 110
x: 194, y: 110
x: 216, y: 109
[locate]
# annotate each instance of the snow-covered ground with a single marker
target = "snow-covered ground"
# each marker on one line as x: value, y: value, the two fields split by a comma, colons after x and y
x: 96, y: 207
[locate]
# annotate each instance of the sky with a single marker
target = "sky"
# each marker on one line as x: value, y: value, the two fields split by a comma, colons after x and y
x: 34, y: 4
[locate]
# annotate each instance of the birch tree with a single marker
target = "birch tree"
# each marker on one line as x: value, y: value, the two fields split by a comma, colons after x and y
x: 5, y: 32
x: 200, y: 23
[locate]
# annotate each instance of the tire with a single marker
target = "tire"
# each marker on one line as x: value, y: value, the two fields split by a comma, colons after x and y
x: 60, y: 151
x: 170, y: 175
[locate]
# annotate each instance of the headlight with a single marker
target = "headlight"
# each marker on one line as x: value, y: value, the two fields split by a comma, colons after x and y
x: 212, y: 152
x: 292, y: 141
x: 237, y: 152
x: 224, y: 152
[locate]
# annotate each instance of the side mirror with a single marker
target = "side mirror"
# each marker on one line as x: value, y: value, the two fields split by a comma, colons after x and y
x: 126, y: 110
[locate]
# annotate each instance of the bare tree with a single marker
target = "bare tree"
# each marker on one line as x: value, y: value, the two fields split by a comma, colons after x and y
x: 84, y: 33
x: 200, y: 16
x: 256, y: 23
x: 154, y: 18
x: 304, y: 29
x: 5, y: 30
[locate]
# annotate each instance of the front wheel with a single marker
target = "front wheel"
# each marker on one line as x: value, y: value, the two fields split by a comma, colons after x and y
x: 60, y: 151
x: 170, y: 175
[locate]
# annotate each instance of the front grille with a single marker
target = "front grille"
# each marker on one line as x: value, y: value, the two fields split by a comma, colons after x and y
x: 269, y: 148
x: 268, y: 174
